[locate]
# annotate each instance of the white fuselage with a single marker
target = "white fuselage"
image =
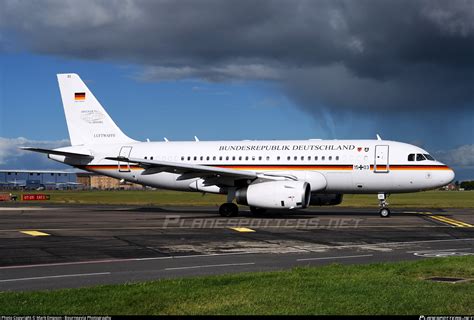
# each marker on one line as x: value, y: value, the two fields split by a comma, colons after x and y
x: 349, y: 166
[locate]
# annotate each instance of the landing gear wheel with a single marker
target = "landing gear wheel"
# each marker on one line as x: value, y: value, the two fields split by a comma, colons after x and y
x: 384, y: 212
x: 257, y: 211
x: 228, y: 210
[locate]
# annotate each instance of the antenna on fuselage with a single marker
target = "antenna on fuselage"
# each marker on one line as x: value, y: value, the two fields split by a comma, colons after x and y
x: 196, y: 139
x: 166, y: 140
x: 378, y: 137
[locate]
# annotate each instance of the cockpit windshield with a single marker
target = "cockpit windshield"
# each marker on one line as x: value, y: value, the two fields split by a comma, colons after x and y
x: 420, y: 157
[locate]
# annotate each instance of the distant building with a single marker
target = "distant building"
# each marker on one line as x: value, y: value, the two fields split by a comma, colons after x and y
x: 94, y: 181
x: 450, y: 187
x: 37, y: 179
x: 59, y: 180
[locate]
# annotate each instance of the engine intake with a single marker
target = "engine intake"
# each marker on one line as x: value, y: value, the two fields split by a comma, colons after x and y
x: 275, y: 195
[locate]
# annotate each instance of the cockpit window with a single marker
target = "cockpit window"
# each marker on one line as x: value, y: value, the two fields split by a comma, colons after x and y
x: 420, y: 157
x: 411, y: 157
x: 429, y: 157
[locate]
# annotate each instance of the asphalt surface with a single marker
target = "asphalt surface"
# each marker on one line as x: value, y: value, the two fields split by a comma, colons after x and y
x: 53, y: 247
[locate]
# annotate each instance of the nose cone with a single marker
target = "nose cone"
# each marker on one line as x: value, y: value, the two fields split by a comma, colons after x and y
x: 445, y: 176
x: 449, y: 176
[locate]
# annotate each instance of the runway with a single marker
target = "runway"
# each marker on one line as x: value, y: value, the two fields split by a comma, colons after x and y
x: 49, y: 247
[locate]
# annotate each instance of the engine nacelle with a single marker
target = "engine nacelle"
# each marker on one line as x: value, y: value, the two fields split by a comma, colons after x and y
x: 323, y: 199
x: 275, y: 195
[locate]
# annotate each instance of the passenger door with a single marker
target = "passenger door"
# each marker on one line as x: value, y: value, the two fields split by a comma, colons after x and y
x: 381, y: 163
x: 125, y: 153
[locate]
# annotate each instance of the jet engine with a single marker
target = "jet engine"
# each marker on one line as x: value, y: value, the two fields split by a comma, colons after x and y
x: 275, y: 195
x: 323, y: 199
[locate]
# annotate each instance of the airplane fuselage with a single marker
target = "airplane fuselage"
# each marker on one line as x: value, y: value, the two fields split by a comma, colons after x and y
x: 349, y: 166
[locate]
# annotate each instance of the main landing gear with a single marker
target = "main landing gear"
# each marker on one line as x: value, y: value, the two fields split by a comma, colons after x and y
x: 229, y: 209
x: 384, y: 210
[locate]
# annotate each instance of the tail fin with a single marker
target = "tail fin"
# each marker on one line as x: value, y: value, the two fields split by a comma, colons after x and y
x: 87, y: 121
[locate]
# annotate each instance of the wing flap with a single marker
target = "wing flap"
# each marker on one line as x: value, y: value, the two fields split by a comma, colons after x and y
x: 154, y: 166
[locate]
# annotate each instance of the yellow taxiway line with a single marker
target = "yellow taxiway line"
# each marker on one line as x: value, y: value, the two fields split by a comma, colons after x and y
x: 446, y: 220
x: 453, y: 222
x: 35, y: 233
x: 242, y: 229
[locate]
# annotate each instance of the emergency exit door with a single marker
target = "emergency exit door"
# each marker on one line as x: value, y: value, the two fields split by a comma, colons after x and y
x: 124, y: 153
x: 381, y: 159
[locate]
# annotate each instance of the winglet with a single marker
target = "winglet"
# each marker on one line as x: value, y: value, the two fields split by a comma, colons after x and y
x: 196, y: 139
x: 378, y: 137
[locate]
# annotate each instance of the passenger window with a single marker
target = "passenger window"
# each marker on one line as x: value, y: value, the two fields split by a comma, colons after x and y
x: 337, y: 158
x: 260, y: 158
x: 268, y: 158
x: 315, y: 158
x: 220, y: 158
x: 420, y: 157
x: 146, y: 157
x: 411, y: 157
x: 214, y: 158
x: 309, y: 157
x: 247, y: 157
x: 253, y: 158
x: 288, y: 158
x: 233, y: 158
x: 278, y: 158
x: 296, y: 158
x: 302, y: 157
x: 207, y: 158
x: 240, y: 158
x: 189, y: 158
x: 151, y: 158
x: 227, y: 158
x: 195, y: 158
x: 323, y: 157
x: 330, y: 158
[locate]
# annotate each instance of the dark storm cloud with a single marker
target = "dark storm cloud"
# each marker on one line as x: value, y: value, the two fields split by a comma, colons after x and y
x: 338, y: 55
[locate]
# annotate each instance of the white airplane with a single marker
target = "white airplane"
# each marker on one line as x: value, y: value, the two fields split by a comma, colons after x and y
x: 259, y: 174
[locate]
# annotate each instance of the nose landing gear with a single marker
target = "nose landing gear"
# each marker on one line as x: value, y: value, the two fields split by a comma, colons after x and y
x: 384, y: 210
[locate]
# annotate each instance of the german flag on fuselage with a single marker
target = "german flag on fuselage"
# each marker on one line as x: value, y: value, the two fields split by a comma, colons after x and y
x: 79, y: 96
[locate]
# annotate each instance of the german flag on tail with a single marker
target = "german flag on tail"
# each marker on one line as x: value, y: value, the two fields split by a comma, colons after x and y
x: 79, y: 96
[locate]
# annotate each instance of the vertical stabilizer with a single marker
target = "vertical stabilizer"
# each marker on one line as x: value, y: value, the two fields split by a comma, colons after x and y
x: 87, y: 121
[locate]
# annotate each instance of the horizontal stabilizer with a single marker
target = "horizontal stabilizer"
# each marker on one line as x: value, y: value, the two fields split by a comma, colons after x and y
x: 59, y: 153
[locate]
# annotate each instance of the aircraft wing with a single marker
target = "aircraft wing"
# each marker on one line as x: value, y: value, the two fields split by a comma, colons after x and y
x: 59, y: 152
x: 188, y: 170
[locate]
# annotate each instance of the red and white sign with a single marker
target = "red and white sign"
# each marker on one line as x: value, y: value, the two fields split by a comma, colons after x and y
x: 35, y: 197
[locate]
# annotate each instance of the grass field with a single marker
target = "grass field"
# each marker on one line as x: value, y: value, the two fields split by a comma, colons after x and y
x: 429, y: 199
x: 384, y: 288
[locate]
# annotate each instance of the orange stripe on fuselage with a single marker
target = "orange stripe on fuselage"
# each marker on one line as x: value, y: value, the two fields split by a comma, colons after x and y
x: 285, y: 167
x: 109, y: 167
x: 411, y: 167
